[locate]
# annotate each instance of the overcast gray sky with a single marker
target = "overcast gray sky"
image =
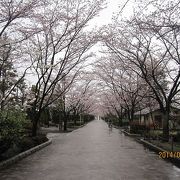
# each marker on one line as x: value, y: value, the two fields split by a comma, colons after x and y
x: 105, y: 16
x: 113, y: 7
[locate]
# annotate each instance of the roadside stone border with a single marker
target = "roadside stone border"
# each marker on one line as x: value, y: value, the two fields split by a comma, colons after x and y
x: 157, y: 149
x: 151, y: 146
x: 24, y: 154
x: 129, y: 134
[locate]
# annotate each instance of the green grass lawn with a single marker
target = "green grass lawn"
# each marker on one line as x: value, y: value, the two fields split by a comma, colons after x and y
x: 154, y: 134
x: 167, y: 145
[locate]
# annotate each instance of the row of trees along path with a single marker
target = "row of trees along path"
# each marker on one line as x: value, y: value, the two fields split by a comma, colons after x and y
x: 49, y: 43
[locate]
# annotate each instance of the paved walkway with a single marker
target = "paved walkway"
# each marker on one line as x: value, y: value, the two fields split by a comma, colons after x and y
x: 93, y: 152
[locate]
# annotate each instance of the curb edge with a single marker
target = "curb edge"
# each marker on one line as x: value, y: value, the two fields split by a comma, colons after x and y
x: 24, y: 154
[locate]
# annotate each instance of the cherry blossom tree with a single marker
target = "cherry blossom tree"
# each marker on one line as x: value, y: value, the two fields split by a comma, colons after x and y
x: 60, y: 47
x: 148, y: 44
x: 13, y: 15
x: 124, y: 87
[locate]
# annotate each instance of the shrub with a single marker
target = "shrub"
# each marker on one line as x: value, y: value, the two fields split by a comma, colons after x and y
x: 26, y: 143
x: 176, y: 137
x: 138, y: 128
x: 29, y: 142
x: 41, y: 138
x: 45, y: 117
x: 12, y: 124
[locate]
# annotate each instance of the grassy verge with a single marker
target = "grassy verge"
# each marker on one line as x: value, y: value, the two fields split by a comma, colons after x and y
x: 168, y: 146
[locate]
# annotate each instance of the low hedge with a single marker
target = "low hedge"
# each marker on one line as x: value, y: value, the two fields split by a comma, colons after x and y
x: 22, y: 145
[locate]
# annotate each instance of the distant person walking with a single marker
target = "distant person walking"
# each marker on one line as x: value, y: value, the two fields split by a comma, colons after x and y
x: 110, y: 123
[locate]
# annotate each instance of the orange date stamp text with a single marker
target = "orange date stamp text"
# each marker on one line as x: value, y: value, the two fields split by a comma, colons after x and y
x: 168, y: 154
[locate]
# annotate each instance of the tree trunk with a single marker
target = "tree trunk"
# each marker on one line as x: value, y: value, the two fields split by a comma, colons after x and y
x: 75, y: 119
x: 132, y: 114
x: 65, y: 122
x: 34, y: 128
x: 60, y: 120
x: 2, y: 105
x: 166, y: 125
x: 129, y: 115
x: 35, y: 120
x: 60, y: 124
x: 120, y: 120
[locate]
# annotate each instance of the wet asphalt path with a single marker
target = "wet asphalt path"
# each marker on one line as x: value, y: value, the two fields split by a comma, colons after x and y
x: 93, y: 152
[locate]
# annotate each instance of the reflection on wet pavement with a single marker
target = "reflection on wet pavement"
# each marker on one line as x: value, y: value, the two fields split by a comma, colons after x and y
x: 93, y: 152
